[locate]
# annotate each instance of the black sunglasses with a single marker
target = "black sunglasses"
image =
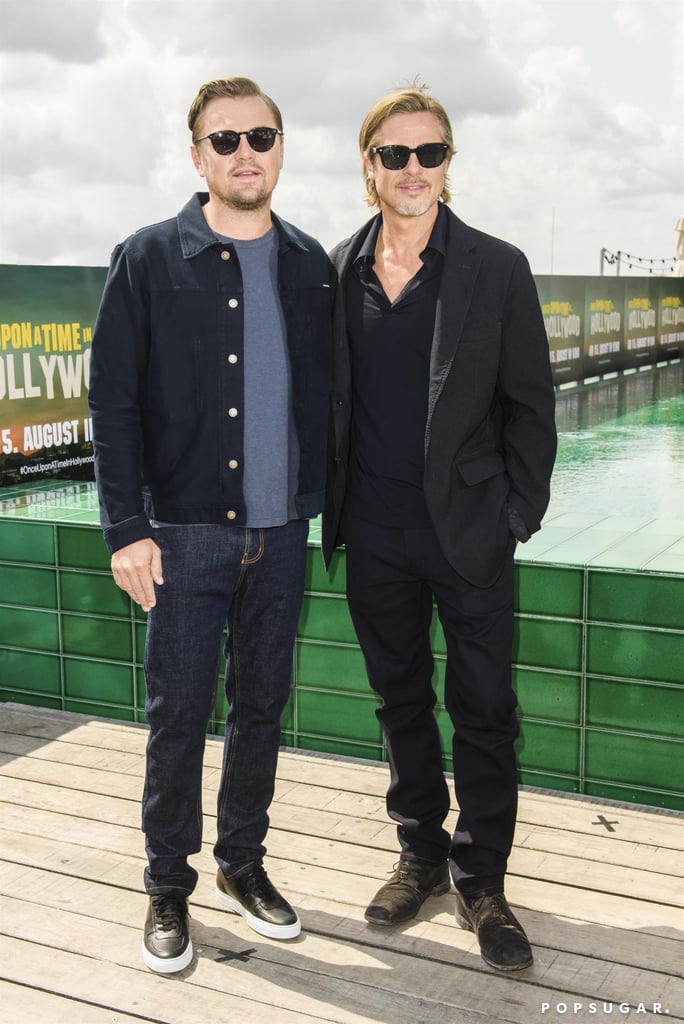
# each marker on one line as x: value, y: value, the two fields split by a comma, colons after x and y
x: 227, y: 142
x: 394, y: 158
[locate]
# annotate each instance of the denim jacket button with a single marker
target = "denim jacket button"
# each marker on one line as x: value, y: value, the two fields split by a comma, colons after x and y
x: 231, y: 514
x: 233, y: 303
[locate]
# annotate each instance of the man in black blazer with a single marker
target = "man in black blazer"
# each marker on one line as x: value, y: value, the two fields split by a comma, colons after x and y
x: 442, y: 447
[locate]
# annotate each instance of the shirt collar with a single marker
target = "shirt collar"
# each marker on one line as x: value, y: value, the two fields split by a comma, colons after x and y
x: 196, y: 235
x: 438, y: 239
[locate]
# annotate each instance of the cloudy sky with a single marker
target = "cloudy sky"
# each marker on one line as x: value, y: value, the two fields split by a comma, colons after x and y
x: 567, y: 115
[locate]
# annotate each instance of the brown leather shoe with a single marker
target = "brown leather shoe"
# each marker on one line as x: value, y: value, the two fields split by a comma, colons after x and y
x: 503, y: 943
x: 408, y: 888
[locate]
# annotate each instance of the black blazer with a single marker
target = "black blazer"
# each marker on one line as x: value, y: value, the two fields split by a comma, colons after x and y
x: 490, y: 437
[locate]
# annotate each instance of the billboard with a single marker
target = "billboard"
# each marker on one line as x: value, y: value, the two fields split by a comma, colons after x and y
x: 46, y: 323
x: 595, y: 326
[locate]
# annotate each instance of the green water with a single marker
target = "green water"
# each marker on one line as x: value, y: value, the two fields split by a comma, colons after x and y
x: 621, y: 446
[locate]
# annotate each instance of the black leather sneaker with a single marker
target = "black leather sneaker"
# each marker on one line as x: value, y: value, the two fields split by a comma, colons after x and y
x: 503, y: 943
x: 166, y: 944
x: 408, y: 888
x: 253, y: 895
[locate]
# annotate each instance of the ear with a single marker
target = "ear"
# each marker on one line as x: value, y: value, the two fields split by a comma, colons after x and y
x: 197, y: 160
x: 368, y: 167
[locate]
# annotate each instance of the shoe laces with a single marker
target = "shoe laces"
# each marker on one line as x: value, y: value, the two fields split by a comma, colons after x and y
x: 494, y: 908
x: 260, y: 884
x: 169, y: 911
x: 405, y: 872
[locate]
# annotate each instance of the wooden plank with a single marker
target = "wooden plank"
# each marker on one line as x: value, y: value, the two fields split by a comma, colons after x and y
x: 333, y: 811
x: 321, y: 963
x: 553, y: 929
x: 609, y: 878
x: 300, y: 979
x: 565, y: 811
x: 133, y: 991
x: 329, y: 837
x: 27, y: 1004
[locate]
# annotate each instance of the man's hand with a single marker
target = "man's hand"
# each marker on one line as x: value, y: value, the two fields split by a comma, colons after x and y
x: 136, y: 568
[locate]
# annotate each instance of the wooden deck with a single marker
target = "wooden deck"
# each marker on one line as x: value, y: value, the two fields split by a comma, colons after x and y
x: 598, y: 887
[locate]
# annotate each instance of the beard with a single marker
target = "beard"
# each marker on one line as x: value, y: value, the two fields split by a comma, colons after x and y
x: 413, y: 209
x: 248, y: 202
x: 256, y: 197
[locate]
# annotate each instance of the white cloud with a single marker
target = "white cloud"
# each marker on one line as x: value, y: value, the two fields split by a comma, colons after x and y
x: 567, y: 114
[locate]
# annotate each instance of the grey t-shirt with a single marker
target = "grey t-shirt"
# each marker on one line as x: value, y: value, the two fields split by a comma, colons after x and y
x: 271, y: 451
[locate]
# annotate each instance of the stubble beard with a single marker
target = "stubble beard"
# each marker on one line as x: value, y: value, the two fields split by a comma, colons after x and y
x: 236, y: 199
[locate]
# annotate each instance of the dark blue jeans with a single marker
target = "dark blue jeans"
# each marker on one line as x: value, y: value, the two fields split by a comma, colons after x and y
x: 393, y: 575
x: 251, y: 580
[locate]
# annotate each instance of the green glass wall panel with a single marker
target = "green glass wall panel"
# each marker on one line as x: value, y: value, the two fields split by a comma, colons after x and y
x: 26, y: 585
x: 634, y: 653
x: 139, y: 634
x: 636, y: 706
x: 346, y: 748
x: 340, y: 717
x: 27, y: 670
x: 641, y: 761
x: 640, y: 599
x: 326, y: 618
x: 546, y: 590
x: 82, y: 547
x: 37, y: 630
x: 89, y: 592
x: 99, y: 681
x: 635, y: 795
x: 550, y: 748
x: 94, y: 637
x: 546, y: 780
x: 84, y: 707
x: 600, y: 686
x: 548, y: 643
x: 331, y: 667
x: 35, y: 700
x: 27, y: 542
x: 548, y: 695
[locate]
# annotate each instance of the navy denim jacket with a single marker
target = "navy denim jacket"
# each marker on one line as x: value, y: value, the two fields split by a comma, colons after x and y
x: 166, y: 371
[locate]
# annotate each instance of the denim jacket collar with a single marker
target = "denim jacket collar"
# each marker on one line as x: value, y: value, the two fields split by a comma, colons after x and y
x: 196, y: 235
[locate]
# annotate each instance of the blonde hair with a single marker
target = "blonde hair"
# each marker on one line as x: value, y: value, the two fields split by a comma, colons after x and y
x: 233, y: 88
x: 413, y: 99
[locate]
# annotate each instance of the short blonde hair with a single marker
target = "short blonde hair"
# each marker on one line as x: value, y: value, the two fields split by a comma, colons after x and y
x: 413, y: 99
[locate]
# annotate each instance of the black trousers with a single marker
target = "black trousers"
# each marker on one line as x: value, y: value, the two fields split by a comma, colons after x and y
x: 393, y: 575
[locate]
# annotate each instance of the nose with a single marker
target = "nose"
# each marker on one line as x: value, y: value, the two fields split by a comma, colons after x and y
x: 244, y: 148
x: 413, y: 165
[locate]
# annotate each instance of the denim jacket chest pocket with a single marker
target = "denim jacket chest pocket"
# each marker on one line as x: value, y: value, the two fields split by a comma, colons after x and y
x: 183, y: 361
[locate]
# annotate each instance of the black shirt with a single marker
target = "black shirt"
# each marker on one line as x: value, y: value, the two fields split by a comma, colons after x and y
x: 390, y: 347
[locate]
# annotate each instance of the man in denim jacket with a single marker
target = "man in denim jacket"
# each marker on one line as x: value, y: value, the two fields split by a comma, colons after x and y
x: 209, y: 397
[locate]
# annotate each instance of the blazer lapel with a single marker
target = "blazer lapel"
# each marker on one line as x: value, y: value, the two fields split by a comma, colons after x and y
x: 461, y: 267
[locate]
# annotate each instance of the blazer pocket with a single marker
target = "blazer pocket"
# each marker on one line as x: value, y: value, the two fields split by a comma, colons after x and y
x: 474, y: 471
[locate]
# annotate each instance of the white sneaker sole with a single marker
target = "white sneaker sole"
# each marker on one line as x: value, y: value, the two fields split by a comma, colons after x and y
x: 161, y: 965
x: 271, y: 931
